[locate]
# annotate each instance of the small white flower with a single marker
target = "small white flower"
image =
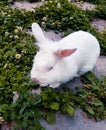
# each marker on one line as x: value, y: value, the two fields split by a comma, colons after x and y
x: 44, y: 18
x: 18, y: 56
x: 47, y: 8
x: 8, y: 15
x: 53, y: 24
x: 58, y: 5
x: 6, y: 33
x: 1, y: 120
x: 51, y: 1
x: 10, y: 36
x: 43, y: 23
x: 10, y: 11
x: 16, y: 30
x: 71, y: 18
x: 5, y: 21
x: 16, y: 37
x: 32, y: 10
x: 24, y: 51
x: 5, y: 66
x: 19, y: 28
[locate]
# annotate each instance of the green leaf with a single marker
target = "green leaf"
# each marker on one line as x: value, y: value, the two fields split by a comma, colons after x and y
x: 2, y: 88
x: 70, y: 110
x: 90, y: 110
x: 54, y: 106
x: 97, y: 102
x: 64, y: 109
x: 24, y: 124
x: 51, y: 118
x: 13, y: 105
x: 4, y: 107
x: 22, y: 110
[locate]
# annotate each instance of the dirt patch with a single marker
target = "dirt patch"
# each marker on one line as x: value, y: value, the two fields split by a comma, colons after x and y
x: 54, y: 36
x: 100, y: 69
x: 85, y: 5
x: 26, y: 5
x: 99, y: 24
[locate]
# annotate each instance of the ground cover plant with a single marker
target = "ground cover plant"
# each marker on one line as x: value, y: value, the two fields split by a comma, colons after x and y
x: 95, y: 1
x: 16, y: 54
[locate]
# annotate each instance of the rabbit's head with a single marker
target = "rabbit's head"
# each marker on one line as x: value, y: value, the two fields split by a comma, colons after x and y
x: 47, y: 66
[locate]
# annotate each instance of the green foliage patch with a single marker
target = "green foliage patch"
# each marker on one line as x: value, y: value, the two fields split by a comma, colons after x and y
x: 100, y: 11
x: 16, y: 53
x: 62, y: 15
x: 94, y: 94
x: 95, y: 1
x: 29, y: 108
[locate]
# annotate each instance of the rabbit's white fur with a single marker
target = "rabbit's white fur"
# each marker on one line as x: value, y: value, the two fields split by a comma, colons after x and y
x: 58, y: 62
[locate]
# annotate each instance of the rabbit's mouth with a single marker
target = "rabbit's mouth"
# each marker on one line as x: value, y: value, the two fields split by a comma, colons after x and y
x: 42, y: 84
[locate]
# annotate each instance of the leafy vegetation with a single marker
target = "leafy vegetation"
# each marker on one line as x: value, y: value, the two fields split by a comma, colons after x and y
x: 95, y: 1
x: 16, y: 55
x: 100, y: 11
x: 60, y: 15
x: 94, y: 94
x: 28, y: 109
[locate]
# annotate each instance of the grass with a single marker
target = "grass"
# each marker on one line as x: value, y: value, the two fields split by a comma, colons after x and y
x: 16, y: 54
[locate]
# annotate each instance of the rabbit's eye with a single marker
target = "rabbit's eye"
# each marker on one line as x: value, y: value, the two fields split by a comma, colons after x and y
x: 50, y: 68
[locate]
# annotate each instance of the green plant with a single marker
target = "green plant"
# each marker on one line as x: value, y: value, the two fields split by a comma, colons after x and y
x: 100, y: 11
x: 16, y: 49
x: 95, y: 1
x: 60, y: 100
x: 28, y: 109
x: 14, y: 76
x: 62, y: 15
x: 92, y: 97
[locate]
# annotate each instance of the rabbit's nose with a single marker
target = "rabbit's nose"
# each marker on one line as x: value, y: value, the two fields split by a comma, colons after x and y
x: 35, y: 80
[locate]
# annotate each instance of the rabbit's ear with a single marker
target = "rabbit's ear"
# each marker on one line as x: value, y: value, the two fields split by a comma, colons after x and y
x: 65, y: 52
x: 38, y: 33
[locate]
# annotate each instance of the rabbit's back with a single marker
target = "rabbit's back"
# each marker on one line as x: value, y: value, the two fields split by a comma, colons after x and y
x: 80, y: 40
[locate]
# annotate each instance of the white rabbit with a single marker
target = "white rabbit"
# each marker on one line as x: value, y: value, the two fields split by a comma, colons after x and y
x: 57, y: 62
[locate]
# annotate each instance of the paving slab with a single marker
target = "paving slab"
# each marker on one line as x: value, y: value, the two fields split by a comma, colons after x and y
x: 78, y: 122
x: 100, y: 69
